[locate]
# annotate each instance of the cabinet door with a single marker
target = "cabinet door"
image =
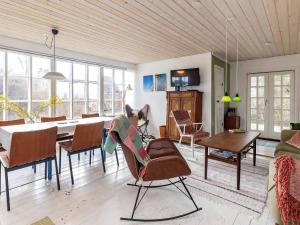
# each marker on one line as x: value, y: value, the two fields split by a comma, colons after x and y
x: 188, y: 103
x: 174, y: 105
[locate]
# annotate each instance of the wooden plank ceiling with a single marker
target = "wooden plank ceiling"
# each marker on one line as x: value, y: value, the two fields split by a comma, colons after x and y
x: 139, y: 31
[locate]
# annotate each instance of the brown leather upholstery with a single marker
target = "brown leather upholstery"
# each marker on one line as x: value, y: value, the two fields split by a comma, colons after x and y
x: 53, y: 119
x: 90, y: 115
x: 166, y: 161
x: 85, y: 136
x: 30, y: 146
x: 11, y: 122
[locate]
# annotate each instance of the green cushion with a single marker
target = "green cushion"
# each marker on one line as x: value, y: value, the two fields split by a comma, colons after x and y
x: 286, y: 149
x: 295, y: 126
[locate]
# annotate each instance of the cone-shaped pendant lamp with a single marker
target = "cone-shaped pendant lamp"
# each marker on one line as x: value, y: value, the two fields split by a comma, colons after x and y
x: 54, y: 75
x: 226, y: 97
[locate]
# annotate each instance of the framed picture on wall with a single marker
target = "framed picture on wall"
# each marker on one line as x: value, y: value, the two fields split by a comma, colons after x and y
x: 161, y: 82
x: 148, y: 83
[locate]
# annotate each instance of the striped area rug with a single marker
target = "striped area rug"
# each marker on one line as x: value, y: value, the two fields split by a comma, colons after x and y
x: 221, y: 182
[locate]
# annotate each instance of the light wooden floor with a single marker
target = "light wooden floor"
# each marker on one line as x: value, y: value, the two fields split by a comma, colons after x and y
x: 98, y: 198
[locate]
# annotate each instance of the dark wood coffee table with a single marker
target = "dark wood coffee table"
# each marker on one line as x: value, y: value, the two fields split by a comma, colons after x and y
x: 233, y: 142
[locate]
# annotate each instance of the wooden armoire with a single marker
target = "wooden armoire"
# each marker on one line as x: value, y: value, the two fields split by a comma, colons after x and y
x: 183, y: 100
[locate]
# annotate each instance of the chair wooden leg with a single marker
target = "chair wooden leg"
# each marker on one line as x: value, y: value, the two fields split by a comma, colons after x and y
x: 34, y: 168
x: 103, y: 161
x: 46, y: 170
x: 192, y: 146
x: 93, y: 152
x: 59, y: 160
x: 78, y: 156
x: 57, y: 174
x: 180, y: 140
x: 90, y: 159
x: 117, y: 158
x: 7, y: 190
x: 71, y: 170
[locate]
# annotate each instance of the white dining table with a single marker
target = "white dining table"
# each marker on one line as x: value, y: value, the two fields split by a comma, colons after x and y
x: 65, y: 126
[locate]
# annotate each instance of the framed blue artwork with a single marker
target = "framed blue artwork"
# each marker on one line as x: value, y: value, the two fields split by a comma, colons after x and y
x: 148, y: 83
x: 161, y: 82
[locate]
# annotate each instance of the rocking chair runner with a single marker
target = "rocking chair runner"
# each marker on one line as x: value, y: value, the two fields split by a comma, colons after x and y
x: 187, y: 128
x: 166, y: 163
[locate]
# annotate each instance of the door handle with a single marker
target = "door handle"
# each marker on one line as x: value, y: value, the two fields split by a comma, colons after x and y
x: 266, y: 102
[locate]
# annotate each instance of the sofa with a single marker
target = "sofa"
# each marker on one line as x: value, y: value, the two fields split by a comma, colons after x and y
x: 281, y: 149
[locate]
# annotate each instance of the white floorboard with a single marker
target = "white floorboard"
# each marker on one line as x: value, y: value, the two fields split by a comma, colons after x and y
x: 98, y: 198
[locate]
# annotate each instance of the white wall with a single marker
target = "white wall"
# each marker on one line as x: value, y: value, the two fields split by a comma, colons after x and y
x: 41, y: 48
x: 157, y: 100
x: 290, y: 62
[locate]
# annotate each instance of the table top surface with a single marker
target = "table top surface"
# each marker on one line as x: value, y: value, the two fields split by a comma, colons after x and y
x: 234, y: 142
x: 59, y: 124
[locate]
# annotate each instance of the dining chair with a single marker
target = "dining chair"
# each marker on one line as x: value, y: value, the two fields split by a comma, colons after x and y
x: 5, y: 123
x: 61, y: 136
x: 27, y: 149
x: 90, y: 115
x: 53, y: 119
x: 105, y: 131
x: 86, y: 138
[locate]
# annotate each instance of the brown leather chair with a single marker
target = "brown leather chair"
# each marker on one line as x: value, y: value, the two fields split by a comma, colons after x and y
x: 53, y: 119
x: 166, y: 163
x: 90, y: 115
x: 86, y: 137
x: 27, y: 149
x: 11, y: 122
x: 5, y: 123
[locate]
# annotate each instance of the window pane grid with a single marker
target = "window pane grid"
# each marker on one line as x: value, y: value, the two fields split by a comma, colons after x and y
x: 81, y: 88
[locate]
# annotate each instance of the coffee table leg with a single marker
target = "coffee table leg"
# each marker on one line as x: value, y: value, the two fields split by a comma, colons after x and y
x: 254, y: 152
x: 206, y: 162
x: 238, y: 171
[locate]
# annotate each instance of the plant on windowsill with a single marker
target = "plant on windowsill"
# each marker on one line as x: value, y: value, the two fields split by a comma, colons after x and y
x: 30, y: 117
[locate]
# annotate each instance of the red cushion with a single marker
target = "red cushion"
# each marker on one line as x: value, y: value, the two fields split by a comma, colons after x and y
x: 295, y: 140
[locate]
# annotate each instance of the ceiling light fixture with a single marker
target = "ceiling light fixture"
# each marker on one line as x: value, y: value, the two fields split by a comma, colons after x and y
x: 53, y: 75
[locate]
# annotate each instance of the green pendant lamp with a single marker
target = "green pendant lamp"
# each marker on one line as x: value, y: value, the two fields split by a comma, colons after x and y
x: 226, y: 98
x: 237, y: 98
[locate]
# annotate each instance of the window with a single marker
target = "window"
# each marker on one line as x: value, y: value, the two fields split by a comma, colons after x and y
x: 118, y: 93
x: 93, y: 87
x: 2, y: 73
x: 108, y: 91
x: 79, y: 90
x: 63, y: 89
x: 129, y: 82
x: 18, y: 81
x: 40, y: 87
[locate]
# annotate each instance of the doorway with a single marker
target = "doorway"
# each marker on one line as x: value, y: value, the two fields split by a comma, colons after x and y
x: 270, y: 102
x: 219, y: 92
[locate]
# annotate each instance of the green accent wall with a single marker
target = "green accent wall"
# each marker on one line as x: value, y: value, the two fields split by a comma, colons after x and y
x: 221, y: 63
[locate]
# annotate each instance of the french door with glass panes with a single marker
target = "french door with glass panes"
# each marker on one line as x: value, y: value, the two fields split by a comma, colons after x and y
x: 270, y: 102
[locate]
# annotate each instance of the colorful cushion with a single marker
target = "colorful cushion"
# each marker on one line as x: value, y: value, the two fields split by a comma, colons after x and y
x: 295, y: 140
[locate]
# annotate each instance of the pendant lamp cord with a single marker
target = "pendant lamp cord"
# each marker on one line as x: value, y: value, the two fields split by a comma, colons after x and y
x: 237, y: 63
x: 226, y: 34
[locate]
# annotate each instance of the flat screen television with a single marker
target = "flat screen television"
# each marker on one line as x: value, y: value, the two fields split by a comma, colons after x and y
x: 185, y: 77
